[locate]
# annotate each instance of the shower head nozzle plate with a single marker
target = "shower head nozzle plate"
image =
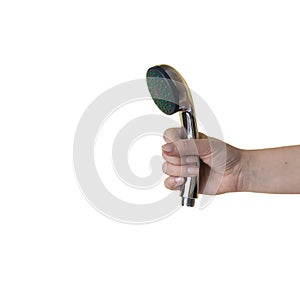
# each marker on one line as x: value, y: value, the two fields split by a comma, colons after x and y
x: 163, y: 90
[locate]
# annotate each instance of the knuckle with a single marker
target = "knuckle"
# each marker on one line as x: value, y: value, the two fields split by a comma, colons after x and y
x: 168, y: 168
x: 171, y: 134
x: 167, y: 184
x: 167, y: 134
x: 174, y: 160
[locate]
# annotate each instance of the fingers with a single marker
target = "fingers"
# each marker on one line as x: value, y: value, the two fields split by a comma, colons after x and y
x: 179, y: 148
x: 179, y: 161
x: 180, y: 171
x: 174, y: 134
x: 181, y: 156
x: 174, y: 183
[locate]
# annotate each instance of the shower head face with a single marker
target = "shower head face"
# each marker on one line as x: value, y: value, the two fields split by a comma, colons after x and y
x: 163, y: 90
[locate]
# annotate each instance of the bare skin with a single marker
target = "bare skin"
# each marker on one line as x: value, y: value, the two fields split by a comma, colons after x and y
x: 225, y: 168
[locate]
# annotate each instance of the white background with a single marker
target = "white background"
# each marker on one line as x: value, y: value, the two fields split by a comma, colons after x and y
x: 242, y: 57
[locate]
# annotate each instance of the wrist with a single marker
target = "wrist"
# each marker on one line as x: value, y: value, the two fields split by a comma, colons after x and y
x: 244, y: 178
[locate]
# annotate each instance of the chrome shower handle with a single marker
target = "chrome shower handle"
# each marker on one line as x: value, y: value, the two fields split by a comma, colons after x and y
x: 190, y: 189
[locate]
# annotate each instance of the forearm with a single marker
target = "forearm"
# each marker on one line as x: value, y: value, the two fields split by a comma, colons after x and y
x: 275, y: 170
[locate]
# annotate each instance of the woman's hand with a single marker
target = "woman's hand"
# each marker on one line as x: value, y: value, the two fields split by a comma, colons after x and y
x: 221, y: 165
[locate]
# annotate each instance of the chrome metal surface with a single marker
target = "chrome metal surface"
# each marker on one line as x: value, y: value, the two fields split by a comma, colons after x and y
x: 190, y: 189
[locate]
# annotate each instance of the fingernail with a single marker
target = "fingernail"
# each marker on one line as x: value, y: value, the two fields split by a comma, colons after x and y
x: 193, y: 171
x: 179, y: 180
x: 190, y: 159
x: 167, y: 147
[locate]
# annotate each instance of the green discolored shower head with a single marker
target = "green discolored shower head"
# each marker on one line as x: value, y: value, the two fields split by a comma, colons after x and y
x: 163, y: 90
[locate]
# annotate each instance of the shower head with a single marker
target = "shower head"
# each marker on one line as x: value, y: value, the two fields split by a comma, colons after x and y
x: 171, y: 94
x: 163, y: 90
x: 169, y: 90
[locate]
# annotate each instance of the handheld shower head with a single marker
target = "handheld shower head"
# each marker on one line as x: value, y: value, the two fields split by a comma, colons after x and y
x: 169, y: 90
x: 163, y: 90
x: 171, y: 94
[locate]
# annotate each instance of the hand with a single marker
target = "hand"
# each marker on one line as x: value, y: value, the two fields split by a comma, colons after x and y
x: 221, y: 165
